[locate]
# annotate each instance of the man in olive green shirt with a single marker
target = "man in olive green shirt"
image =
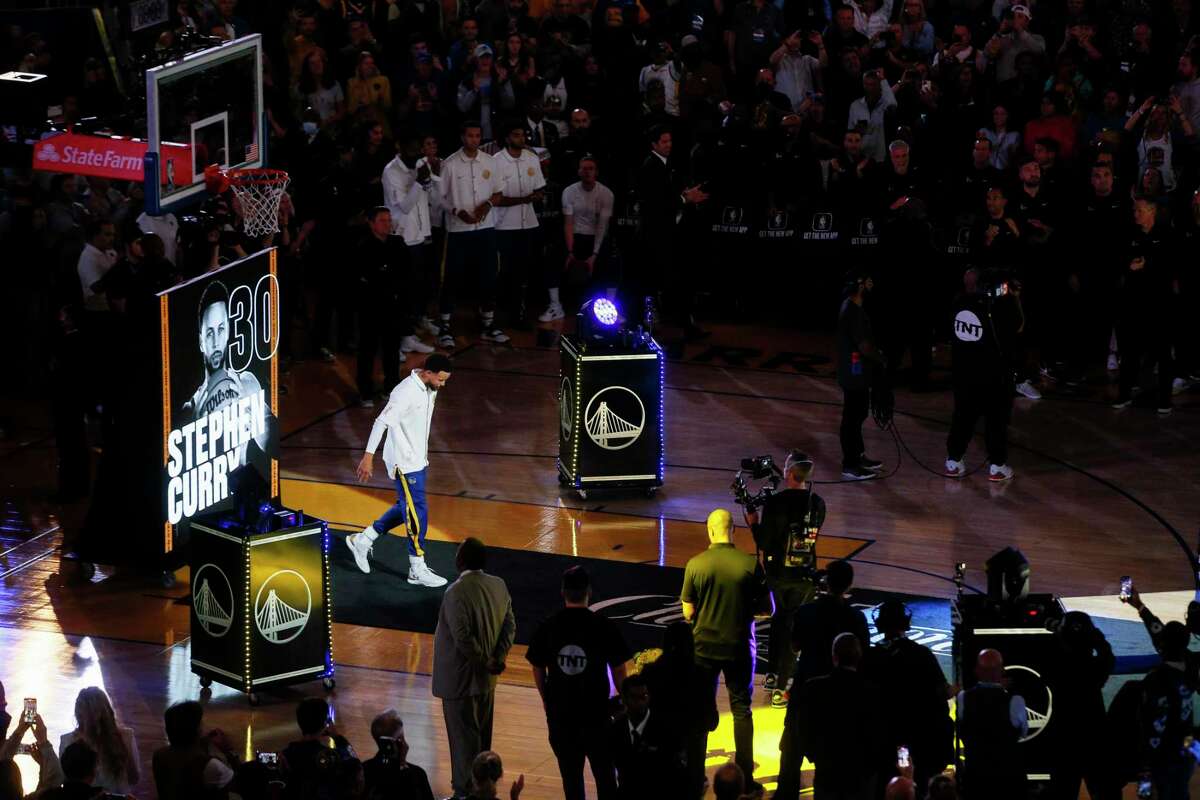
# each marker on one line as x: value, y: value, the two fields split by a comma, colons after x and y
x: 724, y: 589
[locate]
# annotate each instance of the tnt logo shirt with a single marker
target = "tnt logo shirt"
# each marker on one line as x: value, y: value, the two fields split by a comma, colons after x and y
x: 577, y: 647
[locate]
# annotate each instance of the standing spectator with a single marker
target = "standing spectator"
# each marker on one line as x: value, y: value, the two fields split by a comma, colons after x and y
x: 1054, y: 123
x: 1005, y: 143
x: 914, y: 695
x: 389, y: 773
x: 572, y: 653
x: 1155, y: 147
x: 474, y: 633
x: 674, y: 681
x: 1187, y: 89
x: 859, y: 364
x: 1167, y: 720
x: 1012, y: 40
x: 80, y: 767
x: 641, y: 742
x: 191, y: 758
x: 724, y: 589
x: 842, y: 731
x: 97, y: 258
x: 1145, y: 287
x: 665, y: 70
x: 991, y: 721
x: 916, y: 33
x: 382, y: 268
x: 869, y: 114
x: 485, y: 92
x: 518, y: 239
x: 817, y: 625
x: 1084, y: 661
x: 470, y: 189
x: 996, y: 239
x: 50, y: 773
x: 320, y: 90
x: 370, y: 92
x: 408, y: 184
x: 115, y: 746
x: 798, y: 74
x: 753, y: 34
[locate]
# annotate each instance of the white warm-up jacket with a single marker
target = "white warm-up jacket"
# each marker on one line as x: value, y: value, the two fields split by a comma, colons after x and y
x: 403, y: 425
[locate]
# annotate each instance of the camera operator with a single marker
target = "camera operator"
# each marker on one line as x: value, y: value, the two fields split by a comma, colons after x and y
x: 987, y: 319
x: 389, y: 774
x: 785, y: 532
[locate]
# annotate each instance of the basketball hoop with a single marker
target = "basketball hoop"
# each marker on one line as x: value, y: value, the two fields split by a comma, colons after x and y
x: 258, y: 193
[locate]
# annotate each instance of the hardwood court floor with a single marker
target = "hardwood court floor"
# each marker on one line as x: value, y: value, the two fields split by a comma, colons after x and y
x: 1098, y: 494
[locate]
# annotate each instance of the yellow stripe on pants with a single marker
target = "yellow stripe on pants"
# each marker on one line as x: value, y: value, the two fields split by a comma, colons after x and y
x: 413, y: 523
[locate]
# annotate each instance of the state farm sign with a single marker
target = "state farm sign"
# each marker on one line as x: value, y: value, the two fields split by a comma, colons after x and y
x: 106, y: 157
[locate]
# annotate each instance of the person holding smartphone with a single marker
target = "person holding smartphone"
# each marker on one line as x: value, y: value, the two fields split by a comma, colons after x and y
x: 388, y: 773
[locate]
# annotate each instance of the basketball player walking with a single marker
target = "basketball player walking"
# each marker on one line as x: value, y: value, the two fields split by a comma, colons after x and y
x: 404, y: 425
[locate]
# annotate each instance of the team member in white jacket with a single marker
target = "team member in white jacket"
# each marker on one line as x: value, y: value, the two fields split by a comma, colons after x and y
x: 403, y: 426
x: 408, y: 180
x: 470, y: 188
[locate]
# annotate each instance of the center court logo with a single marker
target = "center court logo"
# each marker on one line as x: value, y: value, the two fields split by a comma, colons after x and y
x: 967, y: 326
x: 282, y: 606
x: 615, y: 417
x: 1039, y: 700
x: 212, y: 600
x: 566, y: 408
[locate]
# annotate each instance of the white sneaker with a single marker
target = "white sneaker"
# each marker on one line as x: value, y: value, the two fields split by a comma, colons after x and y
x: 493, y: 333
x: 360, y: 546
x: 1000, y: 472
x: 1027, y: 389
x: 427, y: 325
x: 955, y: 469
x: 446, y: 338
x: 553, y: 311
x: 421, y: 575
x: 411, y: 344
x: 1113, y: 364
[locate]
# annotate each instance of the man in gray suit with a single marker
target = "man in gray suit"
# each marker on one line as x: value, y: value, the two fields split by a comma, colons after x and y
x: 474, y: 633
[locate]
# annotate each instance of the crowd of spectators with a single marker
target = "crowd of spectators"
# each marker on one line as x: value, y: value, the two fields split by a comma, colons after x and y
x: 916, y: 137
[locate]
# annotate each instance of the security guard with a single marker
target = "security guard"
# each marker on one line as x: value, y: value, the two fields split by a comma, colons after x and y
x: 785, y: 532
x: 987, y: 319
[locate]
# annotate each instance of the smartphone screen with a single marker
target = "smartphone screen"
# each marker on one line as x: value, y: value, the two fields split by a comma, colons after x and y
x: 902, y: 757
x: 1126, y: 587
x: 30, y: 709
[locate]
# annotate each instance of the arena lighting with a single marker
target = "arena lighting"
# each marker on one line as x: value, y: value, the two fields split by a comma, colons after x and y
x: 599, y: 319
x: 605, y: 311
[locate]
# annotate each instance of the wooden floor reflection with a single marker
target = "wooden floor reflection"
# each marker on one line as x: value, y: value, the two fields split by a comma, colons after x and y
x: 1098, y: 494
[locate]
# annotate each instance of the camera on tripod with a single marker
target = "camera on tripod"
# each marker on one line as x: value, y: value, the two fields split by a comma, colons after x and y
x: 758, y: 468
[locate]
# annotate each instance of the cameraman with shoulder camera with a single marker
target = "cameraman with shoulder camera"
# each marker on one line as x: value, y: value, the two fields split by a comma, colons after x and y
x: 785, y: 532
x: 987, y: 319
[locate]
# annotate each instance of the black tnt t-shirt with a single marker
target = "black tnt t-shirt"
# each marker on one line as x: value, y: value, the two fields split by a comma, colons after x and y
x: 576, y: 646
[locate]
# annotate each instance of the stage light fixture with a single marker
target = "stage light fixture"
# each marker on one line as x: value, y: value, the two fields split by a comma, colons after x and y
x: 605, y: 311
x: 599, y: 320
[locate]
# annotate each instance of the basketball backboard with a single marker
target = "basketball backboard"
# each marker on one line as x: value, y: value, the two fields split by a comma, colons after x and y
x: 211, y: 104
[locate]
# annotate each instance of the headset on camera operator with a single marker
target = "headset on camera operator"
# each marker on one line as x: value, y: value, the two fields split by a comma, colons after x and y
x: 785, y: 532
x: 987, y: 319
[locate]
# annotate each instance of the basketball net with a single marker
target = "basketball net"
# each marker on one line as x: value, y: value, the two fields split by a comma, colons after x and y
x: 258, y: 193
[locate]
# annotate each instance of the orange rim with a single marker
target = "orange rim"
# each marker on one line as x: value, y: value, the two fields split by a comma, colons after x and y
x: 265, y: 177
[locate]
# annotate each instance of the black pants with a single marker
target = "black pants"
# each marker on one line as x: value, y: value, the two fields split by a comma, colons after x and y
x: 378, y: 329
x: 856, y: 405
x: 1078, y: 761
x: 739, y: 683
x: 781, y: 653
x: 420, y: 284
x: 1141, y: 343
x: 571, y: 745
x: 520, y: 257
x: 470, y: 257
x: 993, y: 401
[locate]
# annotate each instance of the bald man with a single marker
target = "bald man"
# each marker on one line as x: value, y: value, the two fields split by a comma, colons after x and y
x: 724, y: 589
x: 991, y: 722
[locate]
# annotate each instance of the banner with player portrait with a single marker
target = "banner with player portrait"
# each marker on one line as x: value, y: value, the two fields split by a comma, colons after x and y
x: 220, y: 435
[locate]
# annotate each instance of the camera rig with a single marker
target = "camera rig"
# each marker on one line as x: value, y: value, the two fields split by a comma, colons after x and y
x: 758, y: 468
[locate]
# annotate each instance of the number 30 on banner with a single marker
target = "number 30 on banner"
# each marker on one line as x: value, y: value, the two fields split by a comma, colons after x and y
x: 254, y: 323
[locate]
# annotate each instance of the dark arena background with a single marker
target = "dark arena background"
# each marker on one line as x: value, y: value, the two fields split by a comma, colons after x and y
x: 658, y: 241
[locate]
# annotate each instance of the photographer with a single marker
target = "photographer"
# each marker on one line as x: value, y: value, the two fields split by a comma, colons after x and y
x: 987, y: 319
x: 389, y: 774
x: 785, y: 532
